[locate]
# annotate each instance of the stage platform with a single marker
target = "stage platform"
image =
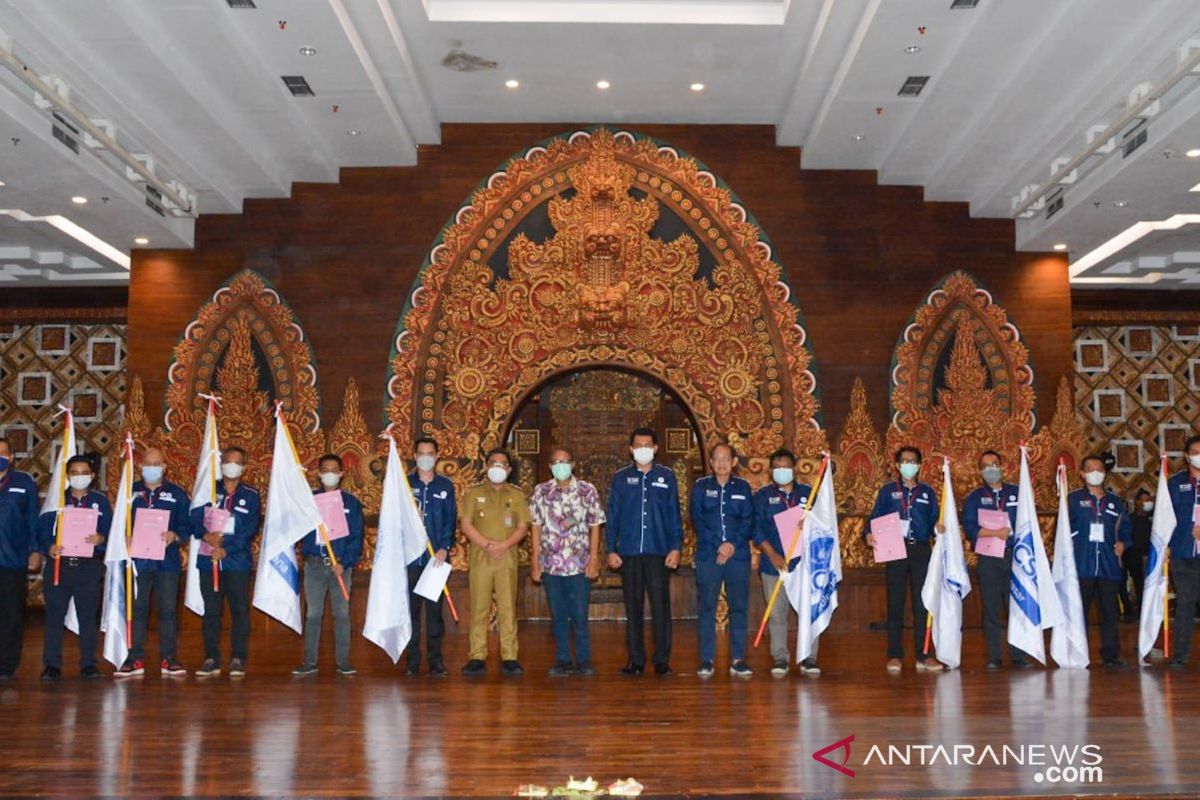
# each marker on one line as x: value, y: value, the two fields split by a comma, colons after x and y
x: 384, y: 734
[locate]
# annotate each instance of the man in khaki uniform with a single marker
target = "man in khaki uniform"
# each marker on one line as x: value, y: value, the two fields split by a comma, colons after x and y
x: 495, y: 518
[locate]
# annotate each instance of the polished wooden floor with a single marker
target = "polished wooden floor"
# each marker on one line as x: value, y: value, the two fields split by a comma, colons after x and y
x: 387, y: 735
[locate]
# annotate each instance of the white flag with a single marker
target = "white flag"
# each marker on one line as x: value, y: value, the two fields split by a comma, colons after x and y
x: 1033, y: 604
x: 400, y: 541
x: 1162, y: 525
x: 56, y: 492
x: 947, y: 582
x: 204, y: 493
x: 291, y: 514
x: 113, y: 617
x: 1068, y: 642
x: 812, y: 587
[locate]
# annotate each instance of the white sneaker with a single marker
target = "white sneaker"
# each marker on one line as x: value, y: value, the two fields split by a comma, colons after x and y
x: 780, y: 669
x: 809, y: 667
x: 706, y: 670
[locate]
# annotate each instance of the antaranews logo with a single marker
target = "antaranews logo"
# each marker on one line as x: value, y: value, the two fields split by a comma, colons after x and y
x: 1052, y: 763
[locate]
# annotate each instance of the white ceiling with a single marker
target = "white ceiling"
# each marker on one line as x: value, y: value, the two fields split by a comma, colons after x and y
x: 1014, y: 88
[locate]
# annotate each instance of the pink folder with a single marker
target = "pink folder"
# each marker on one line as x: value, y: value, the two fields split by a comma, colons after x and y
x: 788, y: 523
x: 149, y: 525
x: 215, y: 520
x: 889, y: 544
x: 77, y: 525
x: 992, y: 545
x: 333, y: 511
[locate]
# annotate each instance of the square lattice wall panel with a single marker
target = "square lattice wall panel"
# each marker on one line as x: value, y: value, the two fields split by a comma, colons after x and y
x: 81, y: 366
x: 1137, y: 390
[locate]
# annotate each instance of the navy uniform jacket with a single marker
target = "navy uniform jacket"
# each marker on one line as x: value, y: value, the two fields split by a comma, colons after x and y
x: 1097, y: 559
x: 439, y: 511
x: 919, y: 505
x: 92, y: 499
x: 643, y: 512
x: 169, y: 497
x: 769, y: 501
x: 18, y: 520
x: 722, y: 514
x: 348, y: 549
x: 244, y: 506
x: 985, y: 498
x: 1183, y: 499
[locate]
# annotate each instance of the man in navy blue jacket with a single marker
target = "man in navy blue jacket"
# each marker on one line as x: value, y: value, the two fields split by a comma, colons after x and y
x: 158, y: 577
x: 18, y: 555
x: 80, y: 579
x: 917, y: 505
x: 1185, y: 553
x: 781, y: 494
x: 994, y: 572
x: 643, y: 536
x: 722, y: 513
x: 1100, y: 532
x: 434, y: 494
x: 231, y: 550
x: 321, y: 574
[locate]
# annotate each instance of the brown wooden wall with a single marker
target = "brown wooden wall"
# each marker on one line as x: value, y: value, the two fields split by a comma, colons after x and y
x: 859, y: 256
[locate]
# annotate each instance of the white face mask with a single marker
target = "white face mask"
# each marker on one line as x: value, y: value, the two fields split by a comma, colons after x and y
x: 1148, y: 506
x: 80, y: 482
x: 497, y: 474
x: 1094, y: 478
x: 1194, y: 461
x: 426, y: 463
x: 231, y: 470
x: 330, y: 479
x: 643, y: 455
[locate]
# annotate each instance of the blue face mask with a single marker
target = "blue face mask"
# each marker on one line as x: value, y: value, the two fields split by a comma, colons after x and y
x: 783, y: 475
x: 4, y: 462
x: 152, y: 473
x: 909, y: 471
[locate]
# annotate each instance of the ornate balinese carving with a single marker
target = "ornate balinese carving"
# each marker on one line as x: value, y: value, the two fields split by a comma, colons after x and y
x: 861, y: 466
x: 1063, y: 439
x: 603, y: 290
x: 362, y: 463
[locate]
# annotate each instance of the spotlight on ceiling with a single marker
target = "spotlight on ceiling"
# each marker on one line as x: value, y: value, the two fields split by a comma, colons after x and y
x: 308, y: 51
x: 602, y: 85
x: 1060, y: 247
x: 697, y: 87
x: 512, y: 83
x: 141, y: 240
x: 79, y: 200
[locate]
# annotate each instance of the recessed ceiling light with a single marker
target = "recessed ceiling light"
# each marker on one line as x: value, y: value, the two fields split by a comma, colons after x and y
x: 697, y: 87
x: 142, y: 240
x: 1060, y: 247
x: 602, y: 84
x: 512, y: 83
x: 308, y: 51
x: 912, y: 49
x: 858, y: 137
x: 1193, y: 153
x: 1120, y: 203
x: 78, y: 200
x: 2, y: 183
x: 353, y: 132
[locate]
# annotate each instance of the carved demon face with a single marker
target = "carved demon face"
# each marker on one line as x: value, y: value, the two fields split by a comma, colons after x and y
x: 602, y: 243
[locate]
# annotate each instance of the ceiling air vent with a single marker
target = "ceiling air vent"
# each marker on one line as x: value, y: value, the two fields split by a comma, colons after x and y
x: 963, y: 5
x: 913, y: 85
x: 1133, y: 138
x: 241, y: 4
x: 1054, y: 203
x: 298, y: 86
x: 154, y: 200
x: 65, y: 132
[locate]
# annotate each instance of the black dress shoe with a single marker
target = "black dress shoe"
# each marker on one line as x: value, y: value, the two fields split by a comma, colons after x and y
x: 437, y: 670
x: 586, y: 668
x: 51, y: 674
x: 512, y: 667
x: 1175, y: 663
x: 1022, y: 663
x: 5, y: 676
x: 633, y: 669
x: 993, y: 665
x: 413, y: 670
x: 1114, y: 663
x: 91, y: 673
x: 663, y: 669
x: 561, y: 670
x: 474, y: 667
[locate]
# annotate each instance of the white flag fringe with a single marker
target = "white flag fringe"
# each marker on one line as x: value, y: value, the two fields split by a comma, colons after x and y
x: 1068, y: 642
x: 401, y: 540
x: 947, y: 582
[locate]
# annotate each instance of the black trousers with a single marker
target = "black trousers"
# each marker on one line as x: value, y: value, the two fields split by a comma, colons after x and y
x: 643, y: 576
x: 1185, y: 577
x: 1105, y: 593
x: 435, y: 624
x: 904, y: 575
x: 234, y: 590
x: 1135, y: 566
x: 83, y: 580
x: 995, y: 580
x: 12, y: 618
x: 164, y: 586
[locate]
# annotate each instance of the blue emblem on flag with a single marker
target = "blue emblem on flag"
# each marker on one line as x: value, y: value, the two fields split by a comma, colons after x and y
x: 823, y: 584
x: 1025, y: 562
x: 287, y: 570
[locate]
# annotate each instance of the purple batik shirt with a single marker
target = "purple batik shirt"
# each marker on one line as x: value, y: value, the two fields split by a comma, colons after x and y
x: 566, y: 517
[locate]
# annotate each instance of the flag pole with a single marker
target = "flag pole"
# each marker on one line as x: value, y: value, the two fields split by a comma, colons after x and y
x: 812, y: 497
x: 213, y: 402
x: 329, y: 551
x: 61, y: 489
x: 128, y: 539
